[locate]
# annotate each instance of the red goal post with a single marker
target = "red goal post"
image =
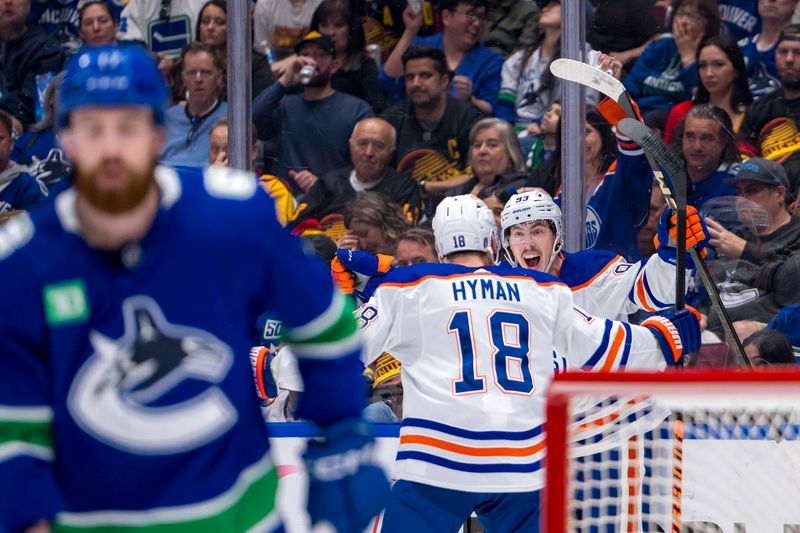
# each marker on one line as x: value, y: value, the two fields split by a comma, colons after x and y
x: 691, y: 450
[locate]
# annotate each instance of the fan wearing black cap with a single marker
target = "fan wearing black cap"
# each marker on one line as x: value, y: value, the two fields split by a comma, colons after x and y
x: 785, y: 102
x: 311, y: 128
x: 770, y: 235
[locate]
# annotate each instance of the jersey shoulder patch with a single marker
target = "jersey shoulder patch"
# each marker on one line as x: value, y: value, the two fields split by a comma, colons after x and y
x: 229, y: 183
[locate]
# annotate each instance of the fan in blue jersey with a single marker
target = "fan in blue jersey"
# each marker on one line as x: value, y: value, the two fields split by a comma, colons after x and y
x: 759, y: 49
x: 478, y: 345
x: 18, y: 189
x: 602, y: 282
x: 125, y: 395
x: 740, y: 18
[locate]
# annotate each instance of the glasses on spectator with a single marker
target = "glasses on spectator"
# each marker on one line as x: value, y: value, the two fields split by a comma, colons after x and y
x: 472, y: 17
x: 694, y: 16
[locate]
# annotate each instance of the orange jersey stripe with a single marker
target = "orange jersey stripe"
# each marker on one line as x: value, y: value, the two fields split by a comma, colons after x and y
x: 614, y: 352
x: 582, y: 285
x: 642, y: 295
x: 469, y: 450
x: 466, y: 274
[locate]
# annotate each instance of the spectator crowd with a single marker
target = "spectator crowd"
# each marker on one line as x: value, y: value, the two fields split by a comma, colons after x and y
x: 368, y: 112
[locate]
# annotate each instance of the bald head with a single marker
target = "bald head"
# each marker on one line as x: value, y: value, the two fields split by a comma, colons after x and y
x: 374, y: 125
x: 371, y: 147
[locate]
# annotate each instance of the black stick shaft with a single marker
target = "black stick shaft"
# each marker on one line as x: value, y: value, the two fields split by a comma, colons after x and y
x: 680, y: 263
x: 702, y: 268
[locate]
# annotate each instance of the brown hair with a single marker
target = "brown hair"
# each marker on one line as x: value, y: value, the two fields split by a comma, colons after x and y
x: 197, y: 47
x: 730, y: 153
x: 708, y: 9
x: 377, y: 209
x: 224, y: 122
x: 421, y: 236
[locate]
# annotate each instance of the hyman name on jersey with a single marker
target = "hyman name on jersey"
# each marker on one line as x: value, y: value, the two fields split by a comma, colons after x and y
x: 485, y: 289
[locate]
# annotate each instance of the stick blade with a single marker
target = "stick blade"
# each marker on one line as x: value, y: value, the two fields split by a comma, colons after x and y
x: 585, y: 74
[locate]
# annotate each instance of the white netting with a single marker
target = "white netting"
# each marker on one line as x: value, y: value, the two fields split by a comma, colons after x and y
x: 738, y: 464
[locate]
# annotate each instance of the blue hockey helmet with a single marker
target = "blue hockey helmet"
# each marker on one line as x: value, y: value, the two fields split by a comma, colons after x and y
x: 114, y: 75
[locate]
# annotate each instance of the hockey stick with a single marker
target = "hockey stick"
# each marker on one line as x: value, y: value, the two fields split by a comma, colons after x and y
x: 653, y: 144
x: 659, y: 152
x: 676, y: 200
x: 585, y: 74
x: 608, y: 85
x: 611, y: 87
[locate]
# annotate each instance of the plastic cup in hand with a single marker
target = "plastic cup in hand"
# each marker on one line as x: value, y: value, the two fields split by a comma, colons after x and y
x: 306, y: 73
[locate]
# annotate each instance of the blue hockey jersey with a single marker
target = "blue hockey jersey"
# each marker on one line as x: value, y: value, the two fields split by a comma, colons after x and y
x: 19, y: 190
x: 714, y: 186
x: 658, y: 79
x: 126, y: 397
x: 620, y: 203
x: 59, y: 18
x: 740, y: 17
x: 762, y: 74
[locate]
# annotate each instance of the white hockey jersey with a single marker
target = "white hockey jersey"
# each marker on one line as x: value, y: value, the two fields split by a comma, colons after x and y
x: 478, y: 348
x: 607, y: 286
x: 164, y: 27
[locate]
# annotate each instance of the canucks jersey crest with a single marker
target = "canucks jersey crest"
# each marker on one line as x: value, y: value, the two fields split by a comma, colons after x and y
x: 169, y: 36
x: 119, y: 395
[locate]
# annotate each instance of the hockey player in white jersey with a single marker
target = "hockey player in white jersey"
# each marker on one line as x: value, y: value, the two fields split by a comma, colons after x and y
x: 602, y: 282
x: 478, y: 346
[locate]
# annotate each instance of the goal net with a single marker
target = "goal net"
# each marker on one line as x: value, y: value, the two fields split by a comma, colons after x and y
x: 695, y: 451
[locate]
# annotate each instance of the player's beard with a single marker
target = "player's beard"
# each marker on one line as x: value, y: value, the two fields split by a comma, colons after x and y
x: 121, y: 199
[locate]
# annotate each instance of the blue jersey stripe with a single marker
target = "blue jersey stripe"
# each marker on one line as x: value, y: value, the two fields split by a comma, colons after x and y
x: 281, y: 430
x: 467, y: 467
x: 598, y: 354
x: 628, y: 341
x: 650, y: 293
x: 476, y: 435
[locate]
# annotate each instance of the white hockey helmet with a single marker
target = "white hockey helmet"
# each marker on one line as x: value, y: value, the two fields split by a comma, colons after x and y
x: 529, y: 207
x: 464, y: 223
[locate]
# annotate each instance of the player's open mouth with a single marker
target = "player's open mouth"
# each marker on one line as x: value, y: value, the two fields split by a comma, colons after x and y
x: 531, y: 260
